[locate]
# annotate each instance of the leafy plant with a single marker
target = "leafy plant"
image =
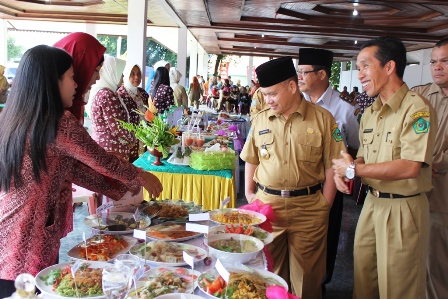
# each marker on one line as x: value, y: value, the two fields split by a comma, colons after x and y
x: 153, y: 131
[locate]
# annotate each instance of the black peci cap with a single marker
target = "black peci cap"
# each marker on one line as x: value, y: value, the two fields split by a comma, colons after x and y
x: 312, y: 56
x: 275, y: 71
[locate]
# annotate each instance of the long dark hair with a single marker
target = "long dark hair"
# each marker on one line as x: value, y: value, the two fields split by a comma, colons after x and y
x: 32, y: 113
x: 161, y: 77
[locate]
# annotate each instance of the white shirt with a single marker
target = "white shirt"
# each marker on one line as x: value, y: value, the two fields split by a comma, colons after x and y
x: 345, y: 114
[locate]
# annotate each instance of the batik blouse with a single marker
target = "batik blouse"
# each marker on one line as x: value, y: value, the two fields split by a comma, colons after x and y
x: 32, y: 216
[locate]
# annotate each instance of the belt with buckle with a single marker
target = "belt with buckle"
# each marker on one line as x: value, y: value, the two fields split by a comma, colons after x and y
x: 379, y: 194
x: 291, y: 193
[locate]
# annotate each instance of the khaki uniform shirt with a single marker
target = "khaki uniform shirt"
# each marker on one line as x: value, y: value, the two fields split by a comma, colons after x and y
x: 257, y: 103
x: 404, y: 128
x: 438, y: 200
x: 300, y: 148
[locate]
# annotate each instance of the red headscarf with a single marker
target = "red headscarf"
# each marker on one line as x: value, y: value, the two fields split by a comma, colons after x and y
x: 87, y: 52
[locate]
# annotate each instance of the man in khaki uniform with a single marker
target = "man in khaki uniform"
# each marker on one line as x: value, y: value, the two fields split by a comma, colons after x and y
x: 437, y: 95
x: 288, y: 156
x: 397, y: 137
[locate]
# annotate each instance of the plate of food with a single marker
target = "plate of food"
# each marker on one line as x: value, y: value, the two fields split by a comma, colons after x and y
x: 181, y: 161
x: 170, y: 231
x: 116, y: 222
x: 102, y: 247
x: 57, y: 281
x: 165, y: 280
x: 166, y: 210
x: 249, y: 230
x: 244, y: 282
x: 169, y: 254
x: 236, y: 216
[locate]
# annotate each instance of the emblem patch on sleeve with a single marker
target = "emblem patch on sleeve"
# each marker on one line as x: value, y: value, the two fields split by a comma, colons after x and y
x: 421, y: 126
x: 336, y: 133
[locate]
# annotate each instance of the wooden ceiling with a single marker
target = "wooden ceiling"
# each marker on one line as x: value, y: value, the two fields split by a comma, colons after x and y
x: 264, y: 28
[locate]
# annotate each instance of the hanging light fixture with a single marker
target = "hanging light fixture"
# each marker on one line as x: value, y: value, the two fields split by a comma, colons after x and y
x: 355, y: 12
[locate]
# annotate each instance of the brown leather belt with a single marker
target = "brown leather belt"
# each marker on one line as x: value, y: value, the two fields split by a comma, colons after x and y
x: 291, y: 193
x: 379, y: 194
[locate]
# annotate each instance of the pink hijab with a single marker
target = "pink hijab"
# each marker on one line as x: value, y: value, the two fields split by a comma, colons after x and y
x: 87, y: 52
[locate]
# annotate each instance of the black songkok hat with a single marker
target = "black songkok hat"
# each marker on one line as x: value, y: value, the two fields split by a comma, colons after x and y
x: 275, y: 71
x: 312, y: 56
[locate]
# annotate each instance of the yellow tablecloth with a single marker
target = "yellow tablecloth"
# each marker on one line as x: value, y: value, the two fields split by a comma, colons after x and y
x: 207, y: 188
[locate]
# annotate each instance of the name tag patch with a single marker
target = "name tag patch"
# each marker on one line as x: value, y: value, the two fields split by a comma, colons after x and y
x: 368, y: 131
x: 262, y: 132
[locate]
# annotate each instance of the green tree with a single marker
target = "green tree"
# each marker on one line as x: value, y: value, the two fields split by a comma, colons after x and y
x: 335, y: 73
x: 156, y: 52
x: 110, y: 42
x: 219, y: 58
x: 14, y: 51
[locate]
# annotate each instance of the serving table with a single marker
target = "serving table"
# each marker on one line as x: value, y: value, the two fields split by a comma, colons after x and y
x: 206, y: 188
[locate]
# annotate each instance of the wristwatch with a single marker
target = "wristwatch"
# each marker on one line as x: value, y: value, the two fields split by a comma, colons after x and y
x: 350, y: 173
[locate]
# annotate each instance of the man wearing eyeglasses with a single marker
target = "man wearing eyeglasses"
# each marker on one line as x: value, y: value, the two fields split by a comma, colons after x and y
x: 437, y: 95
x: 314, y: 71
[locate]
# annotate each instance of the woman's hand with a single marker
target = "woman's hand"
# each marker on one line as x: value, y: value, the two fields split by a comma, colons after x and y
x: 152, y: 184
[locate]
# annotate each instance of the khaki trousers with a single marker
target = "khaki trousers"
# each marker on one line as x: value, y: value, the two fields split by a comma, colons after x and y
x: 391, y: 247
x: 437, y: 265
x: 300, y: 239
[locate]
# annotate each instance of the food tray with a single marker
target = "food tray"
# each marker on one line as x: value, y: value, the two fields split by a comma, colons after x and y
x: 246, y: 217
x: 168, y: 231
x: 102, y: 222
x: 97, y: 239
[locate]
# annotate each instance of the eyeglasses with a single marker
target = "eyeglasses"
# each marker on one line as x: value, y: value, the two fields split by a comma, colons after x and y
x: 303, y: 74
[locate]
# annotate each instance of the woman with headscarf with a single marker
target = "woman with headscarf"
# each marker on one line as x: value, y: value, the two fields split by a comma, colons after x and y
x: 162, y: 93
x: 87, y: 53
x: 106, y: 107
x: 135, y: 99
x: 195, y: 93
x: 4, y: 85
x: 179, y: 92
x: 43, y: 147
x: 88, y: 57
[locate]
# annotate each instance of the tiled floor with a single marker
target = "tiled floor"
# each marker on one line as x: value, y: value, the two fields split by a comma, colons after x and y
x: 342, y: 282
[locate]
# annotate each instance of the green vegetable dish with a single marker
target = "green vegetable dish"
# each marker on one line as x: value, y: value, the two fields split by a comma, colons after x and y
x: 235, y: 246
x: 87, y: 281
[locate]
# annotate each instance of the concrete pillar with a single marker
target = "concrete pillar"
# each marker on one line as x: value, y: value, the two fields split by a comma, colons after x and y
x: 182, y: 53
x: 91, y: 29
x: 205, y: 66
x: 119, y: 39
x: 249, y: 70
x: 193, y: 57
x: 4, y: 45
x: 137, y: 23
x: 202, y: 62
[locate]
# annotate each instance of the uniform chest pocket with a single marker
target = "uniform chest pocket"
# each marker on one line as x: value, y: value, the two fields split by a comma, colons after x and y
x: 265, y: 144
x: 310, y: 148
x: 367, y: 141
x: 393, y: 145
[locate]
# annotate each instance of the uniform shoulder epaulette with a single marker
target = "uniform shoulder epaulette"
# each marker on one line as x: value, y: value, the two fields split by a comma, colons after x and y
x: 253, y: 117
x: 420, y: 86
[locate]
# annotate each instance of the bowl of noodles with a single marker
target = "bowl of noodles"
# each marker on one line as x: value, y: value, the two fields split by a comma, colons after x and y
x: 236, y: 216
x: 234, y: 248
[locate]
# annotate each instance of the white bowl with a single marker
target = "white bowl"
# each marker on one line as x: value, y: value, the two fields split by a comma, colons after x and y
x: 179, y: 296
x: 234, y: 257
